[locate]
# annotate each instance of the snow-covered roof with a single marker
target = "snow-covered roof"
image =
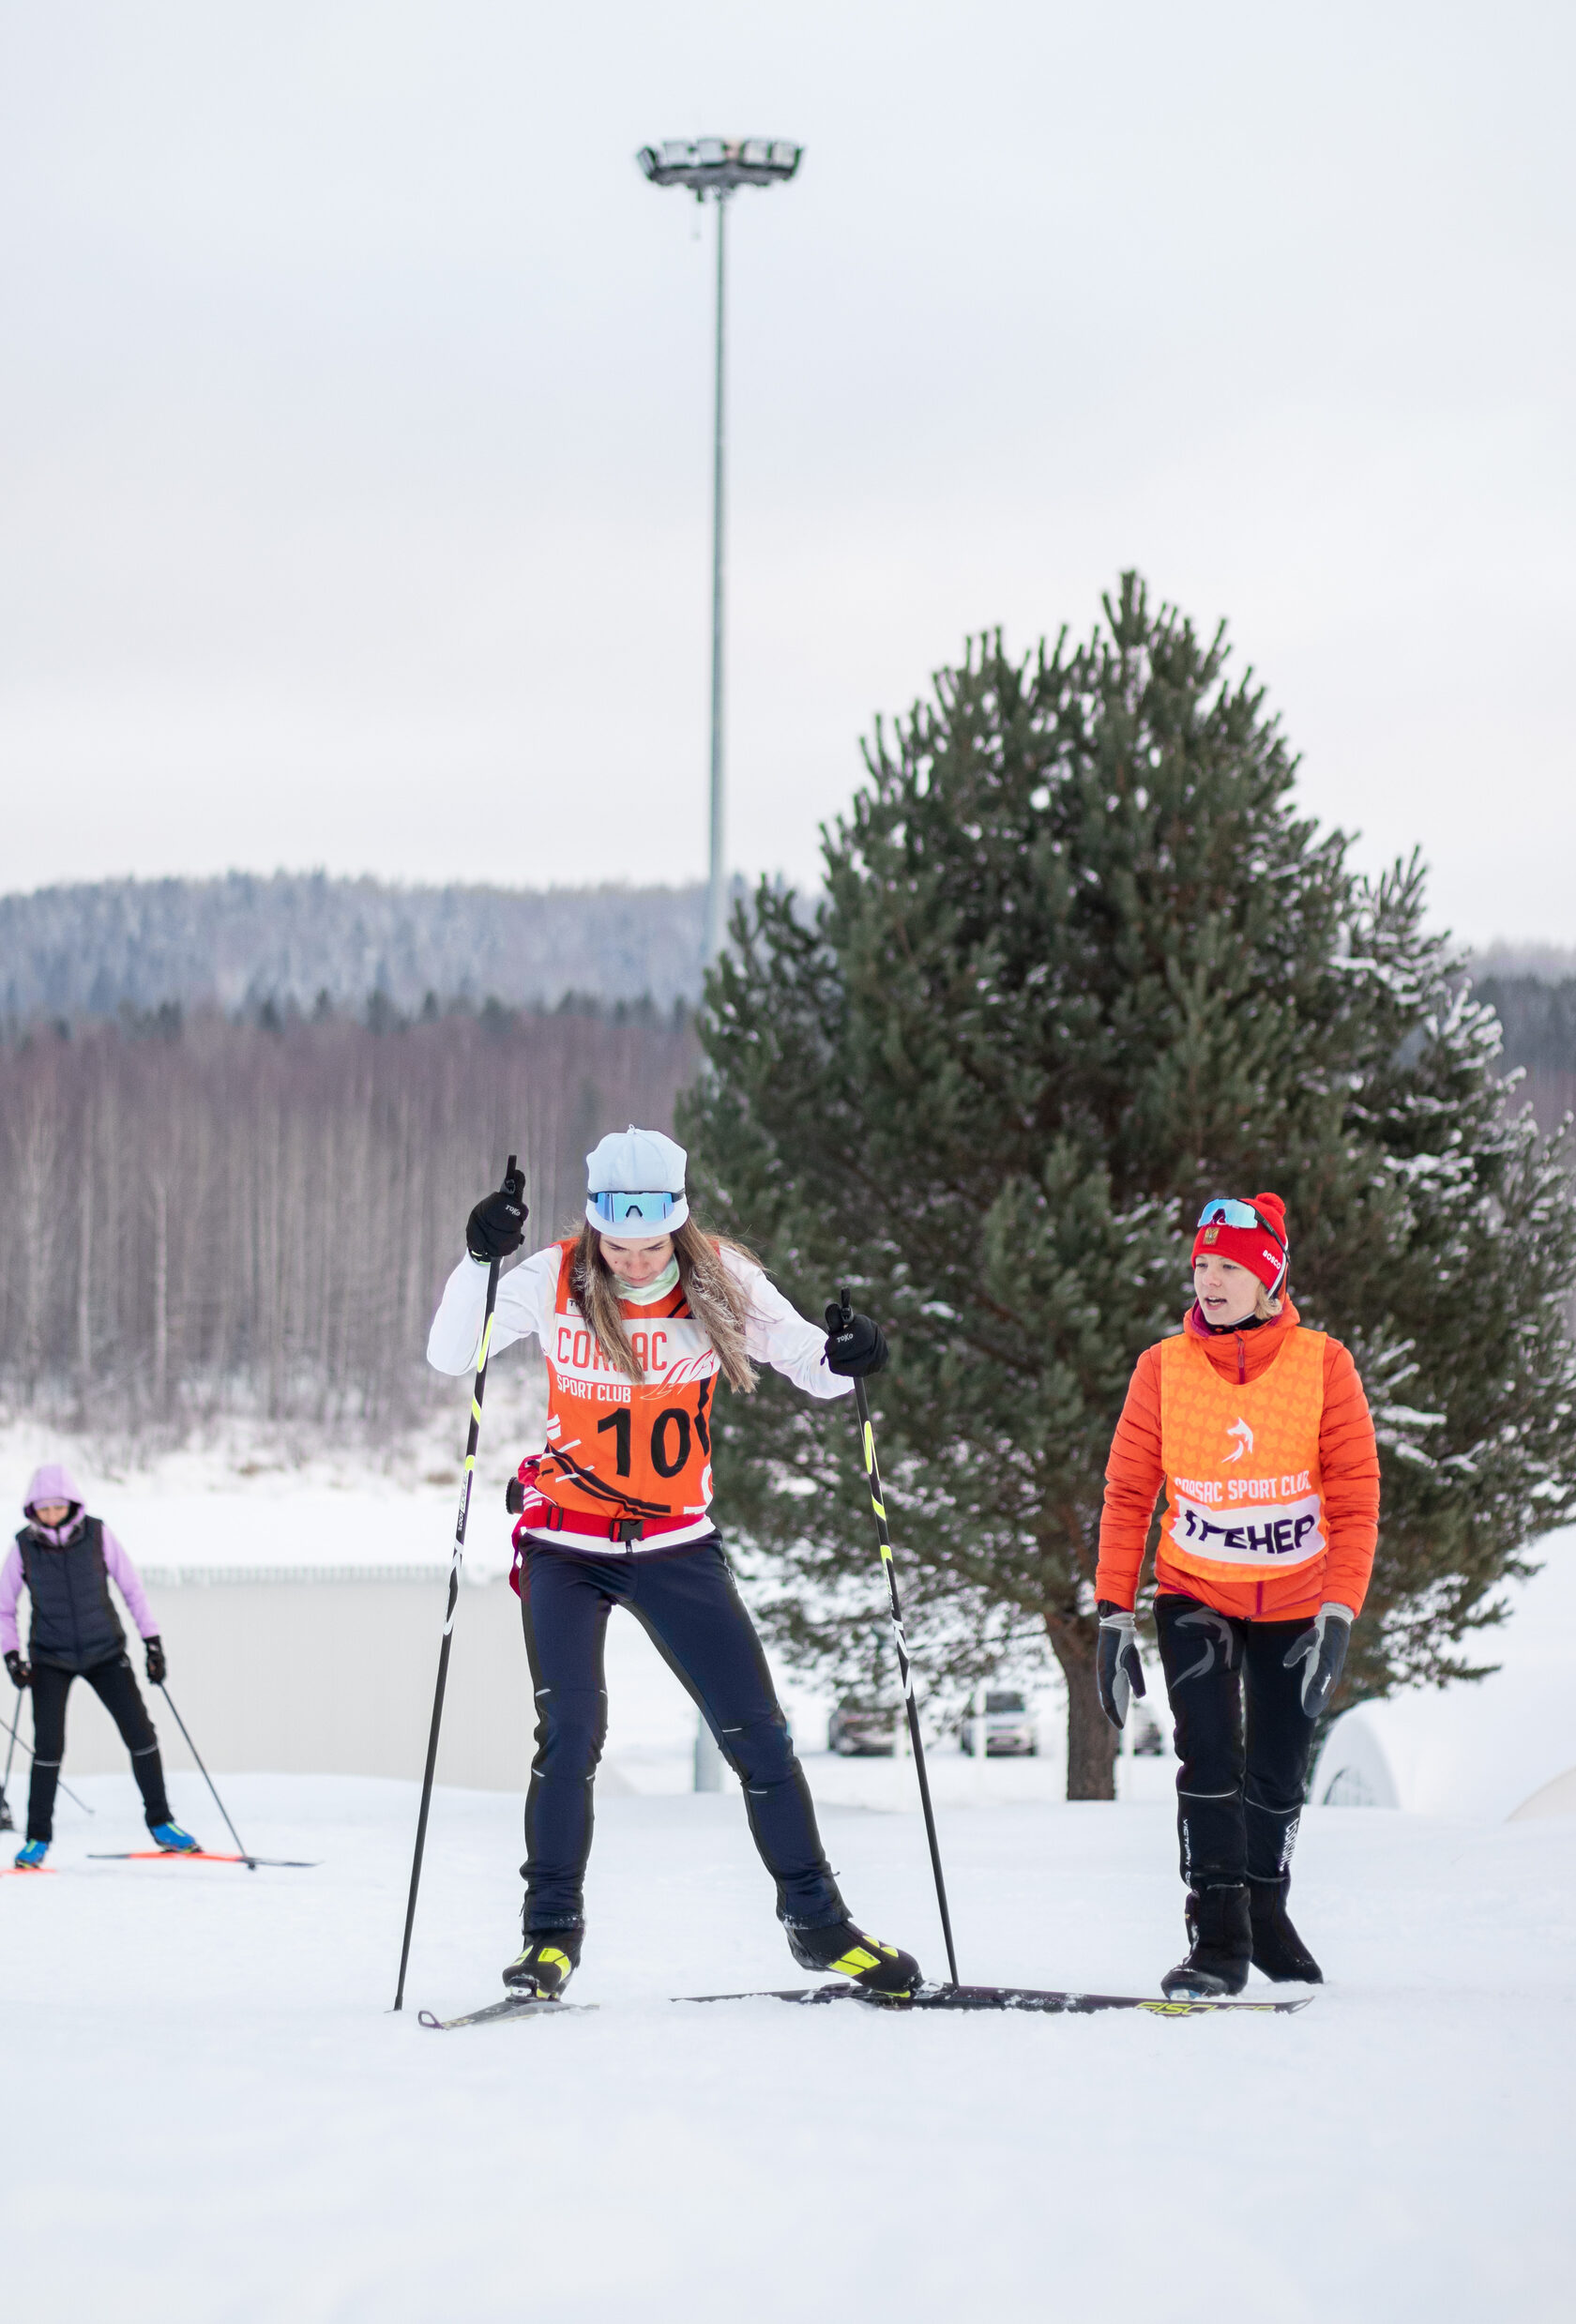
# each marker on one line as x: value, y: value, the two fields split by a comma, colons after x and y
x: 1488, y: 1749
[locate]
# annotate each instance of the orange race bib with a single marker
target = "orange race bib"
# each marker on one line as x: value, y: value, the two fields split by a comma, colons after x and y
x: 1243, y: 1488
x: 616, y: 1448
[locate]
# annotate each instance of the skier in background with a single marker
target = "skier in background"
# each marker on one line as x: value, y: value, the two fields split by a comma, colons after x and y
x: 638, y: 1315
x: 66, y: 1560
x: 1260, y: 1433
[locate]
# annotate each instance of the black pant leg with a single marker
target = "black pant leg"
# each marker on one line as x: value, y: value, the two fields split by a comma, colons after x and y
x: 49, y: 1691
x: 564, y: 1605
x: 115, y: 1683
x: 1201, y: 1653
x: 1280, y: 1738
x: 689, y: 1608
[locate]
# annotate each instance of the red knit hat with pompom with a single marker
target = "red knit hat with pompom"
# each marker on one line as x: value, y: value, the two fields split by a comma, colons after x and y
x: 1262, y: 1249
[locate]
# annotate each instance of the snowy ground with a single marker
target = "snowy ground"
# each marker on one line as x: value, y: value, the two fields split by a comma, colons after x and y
x: 213, y: 2116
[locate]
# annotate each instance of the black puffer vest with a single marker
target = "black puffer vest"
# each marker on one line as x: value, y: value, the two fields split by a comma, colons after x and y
x: 74, y: 1625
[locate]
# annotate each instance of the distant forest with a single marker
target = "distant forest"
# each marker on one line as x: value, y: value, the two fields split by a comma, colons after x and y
x: 303, y: 939
x: 1538, y: 1019
x: 199, y: 1213
x: 242, y: 1120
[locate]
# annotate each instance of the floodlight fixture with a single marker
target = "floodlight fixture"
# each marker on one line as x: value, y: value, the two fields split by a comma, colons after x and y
x: 719, y: 164
x: 716, y: 167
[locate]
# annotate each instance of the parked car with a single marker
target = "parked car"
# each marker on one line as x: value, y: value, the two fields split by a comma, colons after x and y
x: 1011, y: 1732
x: 860, y: 1729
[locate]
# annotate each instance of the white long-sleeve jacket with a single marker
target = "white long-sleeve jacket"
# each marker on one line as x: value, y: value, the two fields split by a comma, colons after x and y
x: 776, y: 1333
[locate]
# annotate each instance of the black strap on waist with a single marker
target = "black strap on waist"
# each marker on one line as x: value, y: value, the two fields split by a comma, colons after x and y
x: 621, y: 1529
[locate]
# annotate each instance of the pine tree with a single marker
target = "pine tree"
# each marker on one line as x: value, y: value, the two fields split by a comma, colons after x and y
x: 1081, y: 962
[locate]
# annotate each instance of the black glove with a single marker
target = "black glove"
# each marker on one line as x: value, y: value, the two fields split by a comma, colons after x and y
x: 496, y: 1227
x: 156, y: 1662
x: 21, y: 1673
x: 1322, y: 1651
x: 854, y: 1345
x: 1119, y: 1672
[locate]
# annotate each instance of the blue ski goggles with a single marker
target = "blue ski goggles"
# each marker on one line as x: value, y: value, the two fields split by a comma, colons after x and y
x: 648, y: 1207
x: 1226, y: 1210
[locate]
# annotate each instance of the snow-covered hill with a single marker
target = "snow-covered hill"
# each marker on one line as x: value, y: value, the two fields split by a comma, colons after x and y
x: 245, y: 939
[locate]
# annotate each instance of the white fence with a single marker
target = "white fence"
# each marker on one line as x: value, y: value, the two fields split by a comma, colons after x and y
x: 328, y: 1673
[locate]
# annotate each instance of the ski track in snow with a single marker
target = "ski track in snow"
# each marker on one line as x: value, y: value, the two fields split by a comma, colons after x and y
x: 214, y: 2119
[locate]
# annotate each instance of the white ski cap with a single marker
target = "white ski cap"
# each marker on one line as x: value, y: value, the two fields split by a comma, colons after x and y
x: 634, y: 1185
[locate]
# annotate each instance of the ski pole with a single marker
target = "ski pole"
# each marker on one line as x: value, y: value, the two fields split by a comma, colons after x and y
x: 867, y: 1440
x: 456, y: 1560
x: 250, y: 1861
x: 59, y: 1785
x: 5, y: 1823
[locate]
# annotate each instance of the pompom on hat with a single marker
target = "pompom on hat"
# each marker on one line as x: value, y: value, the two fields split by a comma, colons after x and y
x: 1252, y: 1231
x: 634, y: 1185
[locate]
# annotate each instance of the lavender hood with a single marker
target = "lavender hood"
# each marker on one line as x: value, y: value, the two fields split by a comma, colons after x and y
x: 53, y: 1482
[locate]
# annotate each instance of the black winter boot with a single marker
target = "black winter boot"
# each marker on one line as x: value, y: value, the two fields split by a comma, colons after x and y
x: 1277, y: 1950
x: 546, y: 1966
x: 850, y: 1952
x: 1220, y: 1942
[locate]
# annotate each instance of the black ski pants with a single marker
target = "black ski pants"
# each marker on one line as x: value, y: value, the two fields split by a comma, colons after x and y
x: 1242, y: 1737
x: 117, y: 1689
x: 689, y: 1607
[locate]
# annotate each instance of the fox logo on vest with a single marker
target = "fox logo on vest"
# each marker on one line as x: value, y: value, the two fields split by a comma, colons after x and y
x: 1241, y: 1430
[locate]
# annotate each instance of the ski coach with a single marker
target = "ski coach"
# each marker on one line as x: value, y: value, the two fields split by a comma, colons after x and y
x: 1259, y: 1431
x: 639, y: 1316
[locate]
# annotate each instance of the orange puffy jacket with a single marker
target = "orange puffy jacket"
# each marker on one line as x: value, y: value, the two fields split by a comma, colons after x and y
x: 1348, y: 1461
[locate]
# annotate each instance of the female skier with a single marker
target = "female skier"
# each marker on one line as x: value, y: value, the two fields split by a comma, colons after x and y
x: 636, y: 1316
x: 1260, y: 1433
x: 66, y: 1559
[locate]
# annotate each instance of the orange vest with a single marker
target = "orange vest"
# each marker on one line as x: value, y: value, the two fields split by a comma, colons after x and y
x: 615, y: 1449
x: 1243, y: 1489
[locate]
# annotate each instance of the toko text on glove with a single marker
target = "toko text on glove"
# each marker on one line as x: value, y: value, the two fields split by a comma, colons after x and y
x: 854, y: 1345
x: 496, y: 1227
x: 21, y: 1672
x: 156, y: 1666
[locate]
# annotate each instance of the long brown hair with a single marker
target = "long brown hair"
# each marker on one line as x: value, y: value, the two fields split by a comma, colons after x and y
x: 714, y: 1299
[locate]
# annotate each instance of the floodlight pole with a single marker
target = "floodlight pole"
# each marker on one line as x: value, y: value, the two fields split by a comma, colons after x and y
x: 716, y: 876
x: 716, y: 167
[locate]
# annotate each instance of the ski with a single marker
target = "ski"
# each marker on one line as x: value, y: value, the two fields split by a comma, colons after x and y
x: 195, y: 1856
x: 1026, y: 1997
x: 27, y: 1872
x: 514, y: 2005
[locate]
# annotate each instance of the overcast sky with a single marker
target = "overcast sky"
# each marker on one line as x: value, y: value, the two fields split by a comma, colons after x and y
x: 355, y: 414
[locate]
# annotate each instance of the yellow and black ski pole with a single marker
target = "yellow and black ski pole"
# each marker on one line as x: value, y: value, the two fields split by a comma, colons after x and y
x: 867, y: 1440
x: 456, y: 1561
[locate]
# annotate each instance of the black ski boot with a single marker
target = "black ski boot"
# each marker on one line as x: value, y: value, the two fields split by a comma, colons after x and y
x: 1277, y: 1950
x: 848, y: 1952
x: 1219, y: 1945
x: 550, y: 1959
